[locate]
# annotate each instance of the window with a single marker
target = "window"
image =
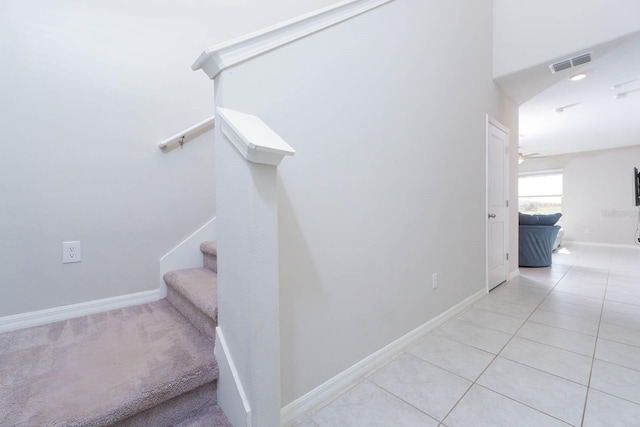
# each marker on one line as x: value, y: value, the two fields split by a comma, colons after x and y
x: 540, y: 192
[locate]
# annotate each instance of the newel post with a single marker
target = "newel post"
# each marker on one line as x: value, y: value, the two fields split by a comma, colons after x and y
x: 248, y: 339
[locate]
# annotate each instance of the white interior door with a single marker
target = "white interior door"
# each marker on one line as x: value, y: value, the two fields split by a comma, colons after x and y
x: 497, y: 203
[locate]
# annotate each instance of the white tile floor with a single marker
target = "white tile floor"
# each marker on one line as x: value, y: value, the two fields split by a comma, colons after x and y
x: 556, y: 346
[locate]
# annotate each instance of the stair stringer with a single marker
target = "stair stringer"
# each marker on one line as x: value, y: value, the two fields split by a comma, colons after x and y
x: 231, y: 396
x: 187, y: 254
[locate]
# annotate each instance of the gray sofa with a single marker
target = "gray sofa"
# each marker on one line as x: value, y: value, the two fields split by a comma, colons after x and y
x: 538, y: 234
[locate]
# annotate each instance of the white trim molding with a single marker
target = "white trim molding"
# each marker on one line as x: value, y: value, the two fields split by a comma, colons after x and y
x: 256, y: 141
x: 604, y: 245
x: 515, y: 273
x: 222, y: 56
x: 187, y: 254
x: 491, y: 121
x: 302, y: 407
x: 57, y: 314
x: 234, y: 399
x: 541, y: 172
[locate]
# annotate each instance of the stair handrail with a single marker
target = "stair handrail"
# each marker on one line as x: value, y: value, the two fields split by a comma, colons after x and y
x: 219, y: 57
x: 181, y: 136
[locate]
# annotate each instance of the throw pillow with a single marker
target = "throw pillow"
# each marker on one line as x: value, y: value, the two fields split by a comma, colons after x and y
x: 549, y: 219
x: 526, y: 219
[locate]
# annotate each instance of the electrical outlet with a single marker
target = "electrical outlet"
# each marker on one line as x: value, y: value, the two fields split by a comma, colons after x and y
x: 71, y: 252
x: 434, y: 280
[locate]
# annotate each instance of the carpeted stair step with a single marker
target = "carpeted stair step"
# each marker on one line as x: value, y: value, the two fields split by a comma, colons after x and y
x: 194, y: 293
x: 210, y: 255
x: 207, y: 417
x: 139, y: 366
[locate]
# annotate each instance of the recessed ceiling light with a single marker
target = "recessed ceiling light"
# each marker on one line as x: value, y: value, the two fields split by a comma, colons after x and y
x: 577, y: 77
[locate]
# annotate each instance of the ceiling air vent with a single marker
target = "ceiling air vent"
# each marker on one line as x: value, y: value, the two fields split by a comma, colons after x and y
x: 570, y: 63
x: 582, y: 59
x: 559, y: 66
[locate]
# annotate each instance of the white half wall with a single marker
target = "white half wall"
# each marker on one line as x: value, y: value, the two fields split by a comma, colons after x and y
x: 387, y: 185
x: 530, y: 32
x: 597, y: 194
x: 187, y: 254
x: 89, y: 90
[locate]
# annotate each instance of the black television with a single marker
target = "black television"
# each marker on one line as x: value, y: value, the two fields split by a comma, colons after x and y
x: 636, y: 186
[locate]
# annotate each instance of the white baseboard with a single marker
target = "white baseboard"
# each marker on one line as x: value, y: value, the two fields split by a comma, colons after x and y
x: 187, y: 254
x: 231, y: 396
x: 304, y: 406
x: 57, y: 314
x: 604, y: 245
x: 515, y: 273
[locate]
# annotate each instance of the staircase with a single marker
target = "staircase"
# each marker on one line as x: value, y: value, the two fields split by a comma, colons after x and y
x: 150, y: 365
x: 193, y: 292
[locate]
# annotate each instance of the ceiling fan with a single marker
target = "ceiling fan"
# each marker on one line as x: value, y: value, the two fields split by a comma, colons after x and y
x: 522, y: 157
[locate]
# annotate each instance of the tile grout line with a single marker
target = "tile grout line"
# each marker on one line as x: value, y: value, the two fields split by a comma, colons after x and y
x: 555, y: 346
x: 403, y: 400
x: 595, y: 347
x: 502, y: 348
x: 314, y: 411
x: 529, y: 339
x: 545, y: 372
x: 524, y: 404
x: 564, y: 329
x: 494, y: 312
x: 538, y: 322
x: 469, y: 388
x: 459, y: 376
x: 568, y: 315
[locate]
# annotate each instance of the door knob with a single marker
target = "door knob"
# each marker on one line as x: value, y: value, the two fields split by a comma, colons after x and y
x: 492, y: 215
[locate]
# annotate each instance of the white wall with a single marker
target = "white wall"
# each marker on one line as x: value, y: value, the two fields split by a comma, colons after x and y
x: 89, y: 89
x: 387, y: 184
x: 597, y: 194
x: 531, y: 32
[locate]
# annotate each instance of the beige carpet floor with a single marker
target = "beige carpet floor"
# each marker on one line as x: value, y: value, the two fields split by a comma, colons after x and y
x: 100, y: 369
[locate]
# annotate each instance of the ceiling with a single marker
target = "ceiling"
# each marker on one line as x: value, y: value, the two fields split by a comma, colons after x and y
x: 593, y: 119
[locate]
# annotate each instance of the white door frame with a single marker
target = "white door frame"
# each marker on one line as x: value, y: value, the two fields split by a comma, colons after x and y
x: 496, y: 123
